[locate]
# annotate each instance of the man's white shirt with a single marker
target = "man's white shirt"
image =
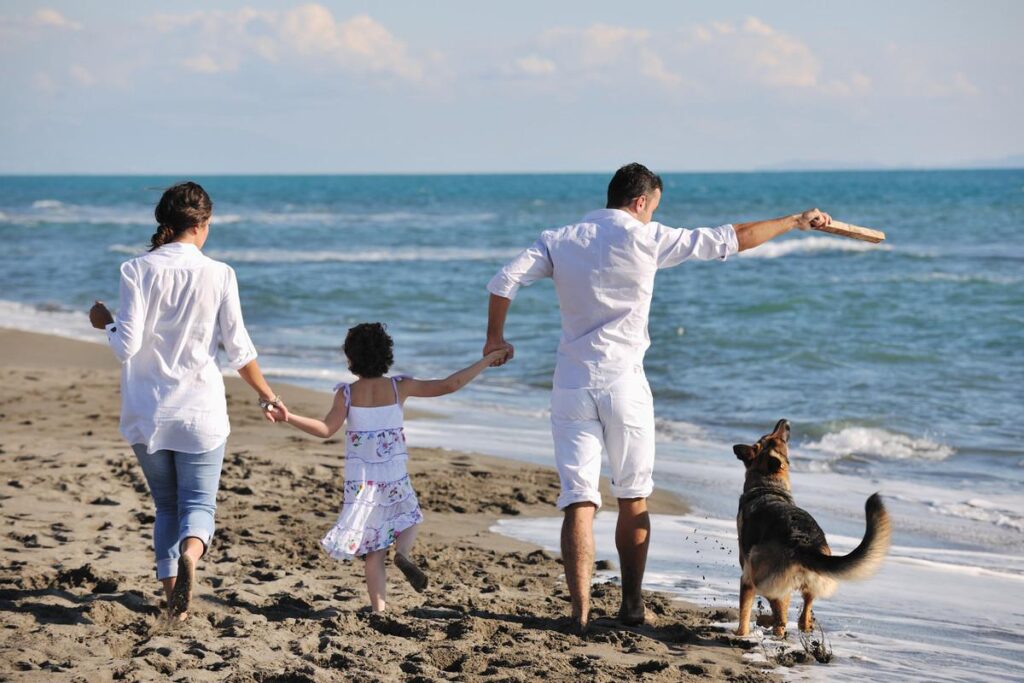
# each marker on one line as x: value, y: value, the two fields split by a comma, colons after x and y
x: 603, y: 269
x: 176, y: 307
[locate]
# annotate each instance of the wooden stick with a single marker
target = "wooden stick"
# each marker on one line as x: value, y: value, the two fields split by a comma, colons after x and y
x: 854, y: 231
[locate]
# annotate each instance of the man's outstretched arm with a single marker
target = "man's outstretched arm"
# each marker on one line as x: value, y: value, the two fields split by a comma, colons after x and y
x: 497, y: 311
x: 750, y: 235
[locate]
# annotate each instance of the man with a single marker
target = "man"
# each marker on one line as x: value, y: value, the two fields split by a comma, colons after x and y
x: 604, y: 268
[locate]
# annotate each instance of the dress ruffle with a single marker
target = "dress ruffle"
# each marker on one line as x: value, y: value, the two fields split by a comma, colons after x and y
x: 362, y: 529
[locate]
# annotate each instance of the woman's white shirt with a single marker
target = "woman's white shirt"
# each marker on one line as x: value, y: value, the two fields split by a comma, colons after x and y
x: 176, y: 307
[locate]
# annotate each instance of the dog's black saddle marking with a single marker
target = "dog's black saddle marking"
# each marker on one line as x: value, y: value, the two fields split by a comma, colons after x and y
x: 770, y: 516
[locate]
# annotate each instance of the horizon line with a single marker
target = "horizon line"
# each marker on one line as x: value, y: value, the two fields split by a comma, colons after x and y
x: 299, y: 174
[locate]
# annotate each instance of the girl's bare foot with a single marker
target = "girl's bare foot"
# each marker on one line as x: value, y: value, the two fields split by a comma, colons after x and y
x: 413, y: 574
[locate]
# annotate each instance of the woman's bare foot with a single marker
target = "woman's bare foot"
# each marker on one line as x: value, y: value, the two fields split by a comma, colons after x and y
x: 181, y: 595
x: 413, y: 574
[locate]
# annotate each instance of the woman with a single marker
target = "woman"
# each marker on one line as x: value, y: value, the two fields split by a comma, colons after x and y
x: 176, y: 307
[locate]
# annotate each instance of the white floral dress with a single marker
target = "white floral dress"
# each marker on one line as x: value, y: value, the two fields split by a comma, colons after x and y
x: 379, y: 501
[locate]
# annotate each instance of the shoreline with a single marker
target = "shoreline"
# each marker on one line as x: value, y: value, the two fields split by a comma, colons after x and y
x: 78, y: 564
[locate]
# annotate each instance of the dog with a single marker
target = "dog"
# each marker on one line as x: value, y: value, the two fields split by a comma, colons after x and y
x: 782, y: 548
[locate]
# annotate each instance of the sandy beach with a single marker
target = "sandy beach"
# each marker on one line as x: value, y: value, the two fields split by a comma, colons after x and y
x: 79, y: 601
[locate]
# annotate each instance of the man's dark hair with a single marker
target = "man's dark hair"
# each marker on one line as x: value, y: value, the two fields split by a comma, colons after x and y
x: 369, y: 350
x: 629, y: 182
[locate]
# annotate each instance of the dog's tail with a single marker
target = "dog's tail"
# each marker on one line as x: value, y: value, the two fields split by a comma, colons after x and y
x: 863, y: 561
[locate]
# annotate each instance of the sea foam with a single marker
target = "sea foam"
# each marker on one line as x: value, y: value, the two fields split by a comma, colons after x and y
x: 810, y: 245
x: 879, y: 443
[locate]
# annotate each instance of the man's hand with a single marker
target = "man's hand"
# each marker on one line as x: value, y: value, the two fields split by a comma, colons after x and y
x: 499, y: 345
x: 496, y: 357
x: 812, y: 219
x: 99, y: 316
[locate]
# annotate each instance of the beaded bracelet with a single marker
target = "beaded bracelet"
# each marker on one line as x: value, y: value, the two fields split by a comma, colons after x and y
x: 265, y: 405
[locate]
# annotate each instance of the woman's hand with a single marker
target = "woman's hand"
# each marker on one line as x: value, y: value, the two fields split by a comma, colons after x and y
x: 100, y: 316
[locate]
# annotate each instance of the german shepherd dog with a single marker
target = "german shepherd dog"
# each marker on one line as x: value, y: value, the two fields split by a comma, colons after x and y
x: 782, y: 548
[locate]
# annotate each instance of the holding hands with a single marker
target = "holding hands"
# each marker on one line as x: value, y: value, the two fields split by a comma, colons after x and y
x: 274, y: 409
x: 276, y: 412
x: 498, y: 352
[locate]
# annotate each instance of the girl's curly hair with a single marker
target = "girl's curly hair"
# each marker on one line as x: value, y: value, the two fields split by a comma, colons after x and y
x: 368, y: 347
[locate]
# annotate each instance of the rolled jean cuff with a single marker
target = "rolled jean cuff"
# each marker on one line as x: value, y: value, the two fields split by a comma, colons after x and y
x: 567, y: 498
x: 204, y: 536
x: 166, y: 568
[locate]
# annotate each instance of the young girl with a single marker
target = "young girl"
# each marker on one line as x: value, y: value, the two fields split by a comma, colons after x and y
x: 380, y: 507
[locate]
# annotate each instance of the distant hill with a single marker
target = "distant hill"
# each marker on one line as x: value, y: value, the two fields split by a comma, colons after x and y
x: 1010, y: 161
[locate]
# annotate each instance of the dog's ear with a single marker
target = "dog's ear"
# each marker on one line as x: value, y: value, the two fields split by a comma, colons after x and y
x: 782, y: 430
x: 744, y: 452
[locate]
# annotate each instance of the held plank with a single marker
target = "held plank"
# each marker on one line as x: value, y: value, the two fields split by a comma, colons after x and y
x: 854, y: 231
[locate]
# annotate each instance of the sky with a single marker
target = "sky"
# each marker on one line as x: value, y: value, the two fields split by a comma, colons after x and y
x: 464, y: 86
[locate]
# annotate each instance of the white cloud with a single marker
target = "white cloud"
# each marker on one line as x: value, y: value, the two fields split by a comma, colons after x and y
x: 54, y: 19
x: 756, y: 26
x: 360, y: 43
x: 703, y: 57
x: 775, y: 59
x: 205, y: 64
x: 723, y: 27
x: 532, y: 65
x: 309, y: 33
x: 653, y: 68
x: 599, y: 54
x: 81, y: 75
x: 858, y: 84
x: 910, y: 76
x: 956, y: 85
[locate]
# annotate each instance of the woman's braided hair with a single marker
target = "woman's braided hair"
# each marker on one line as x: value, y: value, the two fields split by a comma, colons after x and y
x: 182, y: 206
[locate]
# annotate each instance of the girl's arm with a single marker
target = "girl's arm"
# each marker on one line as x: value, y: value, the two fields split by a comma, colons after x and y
x: 325, y: 428
x: 452, y: 383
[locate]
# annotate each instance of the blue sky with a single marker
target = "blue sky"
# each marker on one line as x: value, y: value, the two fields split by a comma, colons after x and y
x: 360, y: 87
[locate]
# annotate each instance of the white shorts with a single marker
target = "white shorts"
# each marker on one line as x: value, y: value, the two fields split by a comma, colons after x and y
x: 618, y: 420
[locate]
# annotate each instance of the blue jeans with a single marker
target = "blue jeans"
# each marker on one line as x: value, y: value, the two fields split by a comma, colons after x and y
x: 184, y: 488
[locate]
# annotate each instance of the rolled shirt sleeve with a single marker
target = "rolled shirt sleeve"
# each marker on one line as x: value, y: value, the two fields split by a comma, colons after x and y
x: 532, y: 264
x: 125, y: 334
x: 676, y: 245
x: 237, y: 344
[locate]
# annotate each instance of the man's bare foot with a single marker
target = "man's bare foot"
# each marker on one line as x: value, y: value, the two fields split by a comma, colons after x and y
x: 181, y: 596
x: 413, y: 574
x: 633, y: 614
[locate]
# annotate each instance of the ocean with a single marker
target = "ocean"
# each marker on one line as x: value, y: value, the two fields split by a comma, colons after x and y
x: 900, y: 366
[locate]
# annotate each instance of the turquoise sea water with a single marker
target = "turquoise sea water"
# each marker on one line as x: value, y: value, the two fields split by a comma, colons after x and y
x: 914, y: 346
x: 900, y: 366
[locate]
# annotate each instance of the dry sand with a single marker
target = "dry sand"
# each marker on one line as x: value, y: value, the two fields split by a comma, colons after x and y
x: 79, y: 602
